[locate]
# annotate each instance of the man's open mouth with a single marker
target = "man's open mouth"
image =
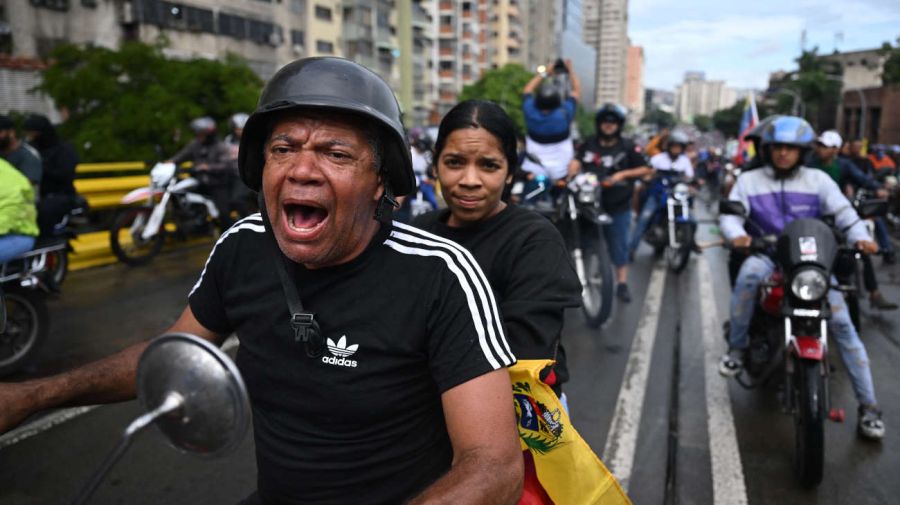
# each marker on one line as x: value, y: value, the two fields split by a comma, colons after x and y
x: 304, y: 218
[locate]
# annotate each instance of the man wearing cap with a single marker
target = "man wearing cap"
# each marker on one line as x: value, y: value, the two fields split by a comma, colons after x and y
x: 846, y: 174
x: 18, y: 153
x: 387, y: 385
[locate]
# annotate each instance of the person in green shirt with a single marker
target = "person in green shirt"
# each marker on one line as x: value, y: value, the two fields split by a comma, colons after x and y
x: 18, y: 217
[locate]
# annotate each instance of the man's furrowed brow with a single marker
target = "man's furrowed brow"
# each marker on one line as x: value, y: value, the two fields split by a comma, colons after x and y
x: 281, y: 137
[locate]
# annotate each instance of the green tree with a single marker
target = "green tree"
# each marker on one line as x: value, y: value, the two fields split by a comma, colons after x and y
x: 504, y: 86
x: 703, y: 123
x: 728, y: 121
x: 817, y: 81
x: 891, y: 74
x: 584, y: 119
x: 659, y: 117
x: 123, y: 103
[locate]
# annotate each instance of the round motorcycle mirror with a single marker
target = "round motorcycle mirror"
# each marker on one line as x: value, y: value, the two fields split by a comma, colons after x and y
x: 193, y: 392
x: 214, y: 411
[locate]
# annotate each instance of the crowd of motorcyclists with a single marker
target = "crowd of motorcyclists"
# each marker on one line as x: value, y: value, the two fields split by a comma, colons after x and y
x: 795, y: 174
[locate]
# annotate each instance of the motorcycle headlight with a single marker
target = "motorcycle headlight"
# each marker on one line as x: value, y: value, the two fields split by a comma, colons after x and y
x: 587, y: 194
x: 681, y: 191
x: 809, y: 285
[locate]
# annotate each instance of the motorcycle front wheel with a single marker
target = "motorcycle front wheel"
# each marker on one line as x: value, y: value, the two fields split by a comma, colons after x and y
x: 677, y: 258
x: 809, y: 384
x: 26, y: 328
x: 597, y: 295
x: 125, y: 236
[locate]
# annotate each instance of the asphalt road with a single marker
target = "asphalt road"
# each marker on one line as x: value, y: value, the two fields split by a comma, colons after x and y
x: 644, y: 394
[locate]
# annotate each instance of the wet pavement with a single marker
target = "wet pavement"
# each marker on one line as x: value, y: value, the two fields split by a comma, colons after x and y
x: 671, y: 447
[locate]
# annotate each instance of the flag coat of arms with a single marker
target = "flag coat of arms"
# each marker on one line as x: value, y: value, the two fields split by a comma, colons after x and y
x: 568, y: 470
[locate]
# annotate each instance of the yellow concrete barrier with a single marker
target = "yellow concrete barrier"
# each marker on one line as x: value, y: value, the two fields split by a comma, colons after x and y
x: 105, y: 193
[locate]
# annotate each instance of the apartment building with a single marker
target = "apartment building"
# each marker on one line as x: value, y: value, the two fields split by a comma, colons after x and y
x: 463, y: 47
x: 507, y: 33
x: 696, y: 96
x: 634, y: 82
x: 544, y: 23
x: 606, y: 29
x: 268, y: 34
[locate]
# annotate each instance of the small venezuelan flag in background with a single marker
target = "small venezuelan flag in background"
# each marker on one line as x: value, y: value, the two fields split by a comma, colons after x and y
x: 748, y: 121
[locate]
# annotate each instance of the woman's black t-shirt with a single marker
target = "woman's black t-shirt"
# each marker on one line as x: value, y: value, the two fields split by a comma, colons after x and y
x: 527, y: 264
x: 405, y: 321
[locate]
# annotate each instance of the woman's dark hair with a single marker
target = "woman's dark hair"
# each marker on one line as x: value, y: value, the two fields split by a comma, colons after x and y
x: 481, y: 114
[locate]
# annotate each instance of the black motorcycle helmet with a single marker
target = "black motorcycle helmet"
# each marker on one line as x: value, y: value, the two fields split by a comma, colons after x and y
x: 548, y: 95
x: 610, y: 112
x: 331, y: 84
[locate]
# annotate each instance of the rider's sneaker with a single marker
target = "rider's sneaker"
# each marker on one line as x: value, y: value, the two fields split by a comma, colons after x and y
x: 870, y: 425
x: 731, y: 363
x: 695, y: 247
x: 622, y: 293
x: 878, y: 301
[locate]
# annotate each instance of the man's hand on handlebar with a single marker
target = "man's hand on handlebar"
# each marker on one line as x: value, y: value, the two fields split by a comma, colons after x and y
x: 742, y: 242
x: 867, y: 246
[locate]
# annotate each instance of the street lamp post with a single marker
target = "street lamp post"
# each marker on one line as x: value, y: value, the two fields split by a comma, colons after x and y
x: 798, y: 108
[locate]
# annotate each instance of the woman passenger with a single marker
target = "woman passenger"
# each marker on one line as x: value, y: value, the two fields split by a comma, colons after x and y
x: 521, y: 252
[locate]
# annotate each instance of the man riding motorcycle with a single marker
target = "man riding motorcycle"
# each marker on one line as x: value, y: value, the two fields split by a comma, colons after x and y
x: 846, y: 174
x: 673, y: 159
x: 775, y: 195
x: 213, y: 157
x: 620, y: 163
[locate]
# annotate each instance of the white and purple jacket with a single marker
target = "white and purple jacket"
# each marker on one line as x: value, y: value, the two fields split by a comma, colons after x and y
x: 773, y: 203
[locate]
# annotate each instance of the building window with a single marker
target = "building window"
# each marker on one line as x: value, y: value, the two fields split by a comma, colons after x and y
x: 264, y: 33
x: 199, y: 20
x: 57, y: 5
x: 324, y: 47
x: 232, y: 26
x: 298, y: 38
x: 298, y: 7
x: 323, y: 13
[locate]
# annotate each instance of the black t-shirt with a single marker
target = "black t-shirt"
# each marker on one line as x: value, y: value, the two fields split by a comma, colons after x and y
x: 405, y: 321
x: 527, y: 264
x: 605, y: 161
x: 59, y: 162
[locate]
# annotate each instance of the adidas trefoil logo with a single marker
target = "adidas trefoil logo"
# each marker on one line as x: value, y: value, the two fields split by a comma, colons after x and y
x: 340, y: 352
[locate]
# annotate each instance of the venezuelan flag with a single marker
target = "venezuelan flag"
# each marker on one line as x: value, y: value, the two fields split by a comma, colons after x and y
x: 748, y: 121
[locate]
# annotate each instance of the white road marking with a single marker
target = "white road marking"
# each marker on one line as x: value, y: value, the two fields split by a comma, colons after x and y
x: 727, y: 472
x: 621, y: 442
x: 43, y: 424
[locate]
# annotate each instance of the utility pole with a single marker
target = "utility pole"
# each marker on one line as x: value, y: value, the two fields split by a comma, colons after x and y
x: 405, y: 40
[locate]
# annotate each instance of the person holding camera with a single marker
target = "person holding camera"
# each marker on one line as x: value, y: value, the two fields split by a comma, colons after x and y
x: 549, y: 106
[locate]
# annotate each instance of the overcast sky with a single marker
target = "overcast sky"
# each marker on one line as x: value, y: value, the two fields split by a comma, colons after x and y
x: 741, y: 42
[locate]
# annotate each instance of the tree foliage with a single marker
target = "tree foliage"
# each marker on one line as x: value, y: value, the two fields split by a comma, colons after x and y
x: 584, y: 119
x: 122, y: 103
x: 891, y: 74
x: 728, y: 121
x: 504, y: 86
x: 703, y: 123
x: 817, y: 81
x: 660, y: 118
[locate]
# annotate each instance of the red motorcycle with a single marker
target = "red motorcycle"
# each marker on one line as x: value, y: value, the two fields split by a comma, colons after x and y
x: 789, y: 332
